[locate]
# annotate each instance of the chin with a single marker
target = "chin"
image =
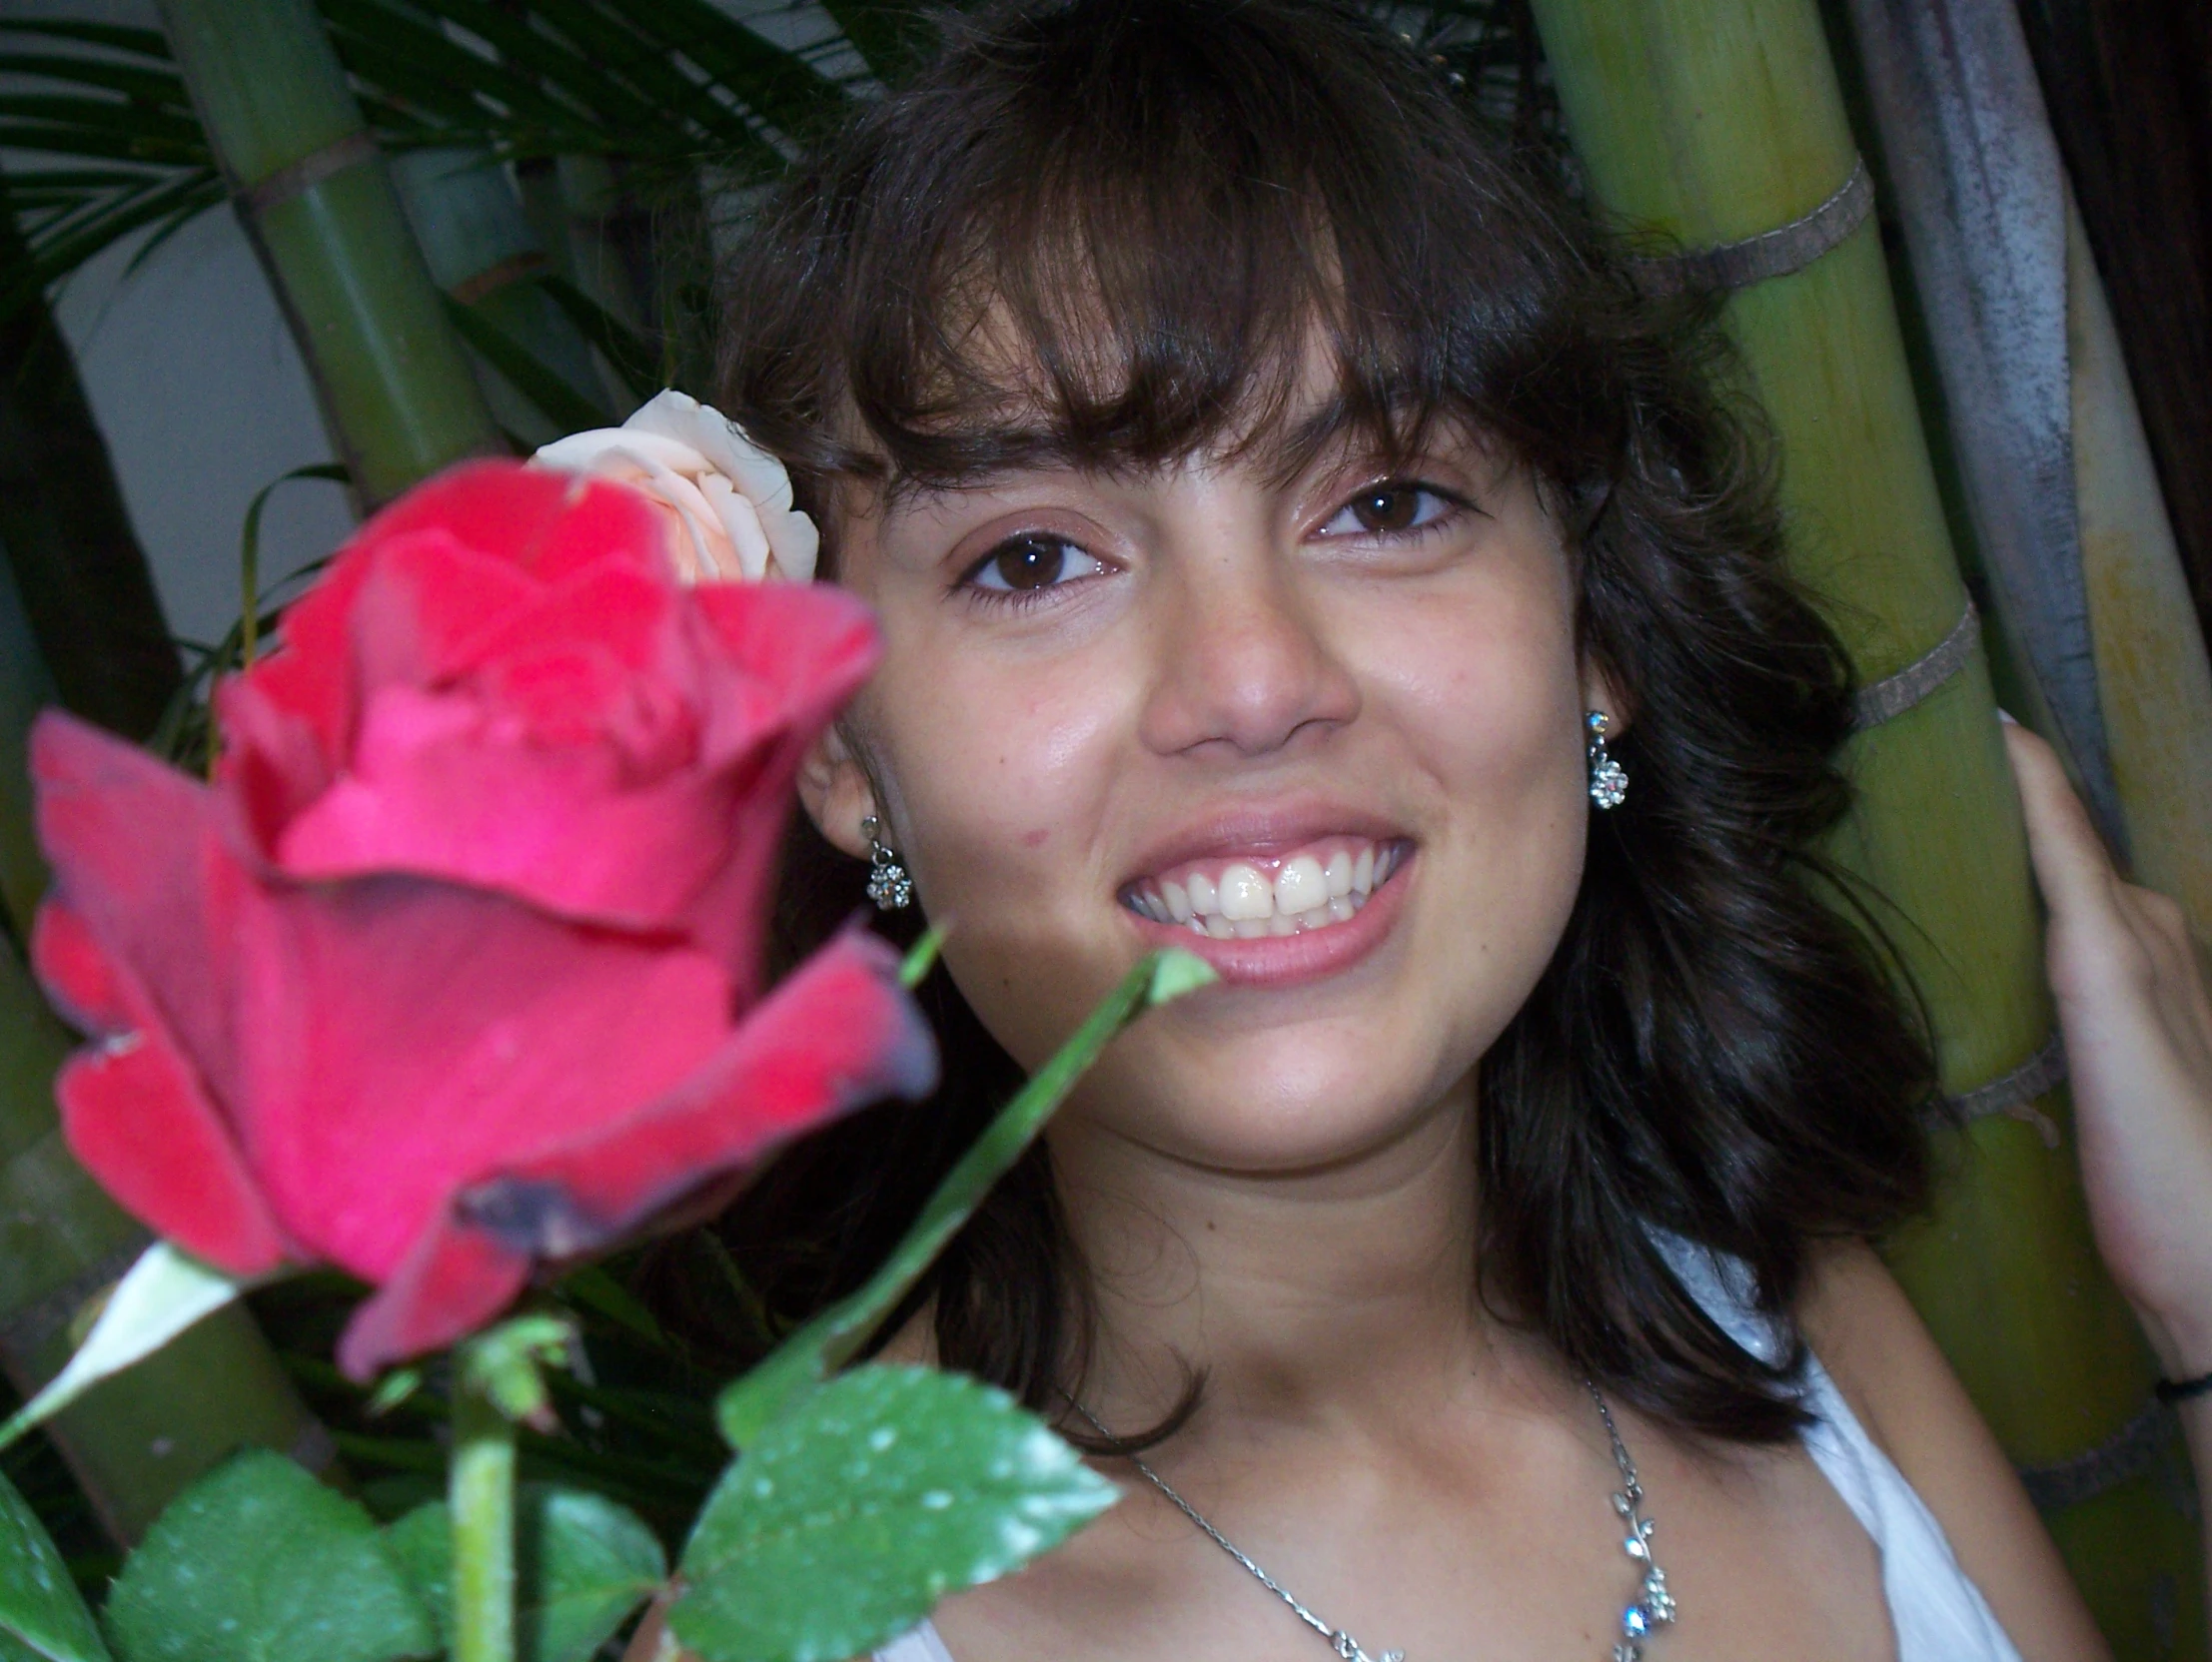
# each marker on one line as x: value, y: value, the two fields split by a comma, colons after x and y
x: 1278, y: 1102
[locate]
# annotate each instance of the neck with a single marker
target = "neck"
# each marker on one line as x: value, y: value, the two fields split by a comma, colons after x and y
x: 1294, y: 1291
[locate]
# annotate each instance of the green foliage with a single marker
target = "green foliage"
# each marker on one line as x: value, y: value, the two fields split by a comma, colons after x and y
x: 584, y: 1564
x: 258, y: 1562
x: 854, y: 1515
x: 666, y: 86
x: 165, y: 1292
x: 41, y: 1614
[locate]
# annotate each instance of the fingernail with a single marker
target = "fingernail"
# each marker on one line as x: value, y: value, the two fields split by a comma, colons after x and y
x: 2007, y: 717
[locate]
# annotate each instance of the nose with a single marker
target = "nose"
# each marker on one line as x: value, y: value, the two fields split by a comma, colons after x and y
x: 1246, y: 664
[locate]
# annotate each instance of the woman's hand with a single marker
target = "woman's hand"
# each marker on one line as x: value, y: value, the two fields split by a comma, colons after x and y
x: 2138, y: 1030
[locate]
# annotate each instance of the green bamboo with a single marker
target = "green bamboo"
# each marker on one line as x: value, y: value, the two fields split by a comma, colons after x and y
x: 138, y: 1439
x: 1716, y: 119
x: 483, y: 251
x: 394, y: 385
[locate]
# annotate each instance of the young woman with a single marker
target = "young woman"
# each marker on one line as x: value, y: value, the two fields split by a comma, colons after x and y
x: 1268, y: 490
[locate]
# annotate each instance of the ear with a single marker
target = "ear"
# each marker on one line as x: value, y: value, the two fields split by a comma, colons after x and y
x: 1602, y: 692
x: 833, y: 788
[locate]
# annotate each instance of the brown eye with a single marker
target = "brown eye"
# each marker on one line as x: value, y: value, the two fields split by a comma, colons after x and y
x: 1032, y: 562
x: 1386, y: 508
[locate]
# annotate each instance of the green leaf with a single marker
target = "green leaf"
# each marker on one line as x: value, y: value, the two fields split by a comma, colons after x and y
x: 834, y: 1337
x: 164, y: 1293
x: 583, y: 1564
x: 1177, y: 971
x: 248, y: 550
x: 854, y: 1515
x: 561, y: 404
x: 40, y: 1613
x: 258, y: 1562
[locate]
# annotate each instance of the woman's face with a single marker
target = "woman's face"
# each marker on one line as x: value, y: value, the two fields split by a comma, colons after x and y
x: 1111, y: 705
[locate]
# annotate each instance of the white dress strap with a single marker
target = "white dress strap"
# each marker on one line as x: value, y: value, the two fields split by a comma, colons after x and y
x: 921, y: 1645
x: 1937, y: 1611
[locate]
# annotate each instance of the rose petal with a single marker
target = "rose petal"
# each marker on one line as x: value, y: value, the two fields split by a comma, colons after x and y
x: 451, y: 1283
x: 75, y: 972
x: 401, y: 1037
x: 674, y: 433
x: 136, y: 1115
x: 740, y: 525
x: 139, y: 864
x: 288, y: 723
x: 137, y: 1118
x: 450, y: 788
x: 837, y: 1034
x: 800, y: 659
x: 548, y: 525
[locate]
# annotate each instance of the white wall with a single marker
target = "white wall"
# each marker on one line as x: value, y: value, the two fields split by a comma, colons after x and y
x: 199, y: 390
x: 199, y: 393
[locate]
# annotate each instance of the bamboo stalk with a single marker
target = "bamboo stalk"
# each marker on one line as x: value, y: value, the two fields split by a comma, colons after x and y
x: 135, y: 1441
x: 394, y: 385
x: 2150, y: 650
x: 1717, y: 120
x: 484, y: 252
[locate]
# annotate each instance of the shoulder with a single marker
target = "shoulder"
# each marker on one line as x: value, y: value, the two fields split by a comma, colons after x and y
x: 1887, y: 1367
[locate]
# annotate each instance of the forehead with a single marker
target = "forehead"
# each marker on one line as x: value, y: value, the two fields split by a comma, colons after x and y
x: 1086, y: 399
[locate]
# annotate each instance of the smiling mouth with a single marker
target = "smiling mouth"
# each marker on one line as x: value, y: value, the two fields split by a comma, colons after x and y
x: 1302, y: 891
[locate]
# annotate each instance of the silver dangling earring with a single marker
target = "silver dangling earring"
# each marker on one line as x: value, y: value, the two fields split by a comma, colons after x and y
x: 888, y: 885
x: 1608, y: 780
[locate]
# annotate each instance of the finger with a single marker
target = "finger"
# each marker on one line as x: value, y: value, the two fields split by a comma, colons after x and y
x: 2071, y: 867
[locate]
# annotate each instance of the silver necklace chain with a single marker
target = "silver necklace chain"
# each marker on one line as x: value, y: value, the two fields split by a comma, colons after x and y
x: 1651, y: 1608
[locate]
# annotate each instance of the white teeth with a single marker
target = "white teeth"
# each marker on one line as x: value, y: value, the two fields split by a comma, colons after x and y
x: 1245, y: 894
x: 1338, y: 874
x: 1300, y: 886
x: 1243, y: 903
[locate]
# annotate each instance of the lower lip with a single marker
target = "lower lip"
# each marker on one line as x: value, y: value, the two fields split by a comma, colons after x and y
x: 1290, y: 960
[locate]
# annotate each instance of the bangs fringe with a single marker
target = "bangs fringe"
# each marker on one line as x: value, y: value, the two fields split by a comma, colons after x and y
x: 1231, y: 249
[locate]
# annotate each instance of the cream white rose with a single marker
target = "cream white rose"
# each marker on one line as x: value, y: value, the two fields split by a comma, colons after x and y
x: 729, y: 500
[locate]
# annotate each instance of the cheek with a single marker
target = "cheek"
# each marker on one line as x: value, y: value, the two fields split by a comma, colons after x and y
x: 1001, y: 775
x: 1493, y: 709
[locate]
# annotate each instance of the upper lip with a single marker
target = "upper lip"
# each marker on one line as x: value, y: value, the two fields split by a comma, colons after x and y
x: 1261, y: 830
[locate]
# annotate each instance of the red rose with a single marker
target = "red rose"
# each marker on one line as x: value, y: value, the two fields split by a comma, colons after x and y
x: 456, y: 966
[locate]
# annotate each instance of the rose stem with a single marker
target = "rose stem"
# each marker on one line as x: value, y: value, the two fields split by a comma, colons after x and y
x: 480, y: 1495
